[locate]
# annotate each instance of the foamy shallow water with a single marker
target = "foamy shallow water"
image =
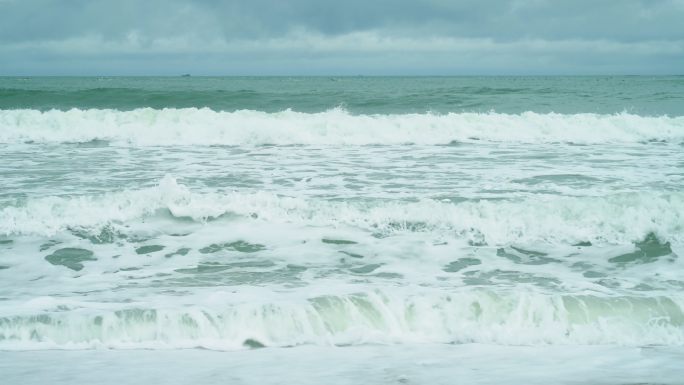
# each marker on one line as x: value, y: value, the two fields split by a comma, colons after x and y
x: 395, y: 247
x: 283, y: 246
x: 421, y: 364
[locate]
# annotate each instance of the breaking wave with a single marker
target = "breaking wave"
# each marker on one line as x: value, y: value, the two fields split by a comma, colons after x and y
x: 205, y: 127
x: 374, y: 317
x: 617, y: 219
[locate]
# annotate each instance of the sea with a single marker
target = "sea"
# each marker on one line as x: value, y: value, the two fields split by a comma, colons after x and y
x: 342, y: 230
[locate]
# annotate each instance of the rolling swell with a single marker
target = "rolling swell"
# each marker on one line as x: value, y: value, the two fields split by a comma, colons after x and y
x: 129, y: 99
x: 205, y: 127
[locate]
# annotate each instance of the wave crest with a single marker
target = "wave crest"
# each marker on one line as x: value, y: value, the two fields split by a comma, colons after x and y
x: 205, y: 127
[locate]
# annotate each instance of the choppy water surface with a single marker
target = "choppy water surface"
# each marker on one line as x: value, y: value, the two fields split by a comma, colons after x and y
x: 352, y: 212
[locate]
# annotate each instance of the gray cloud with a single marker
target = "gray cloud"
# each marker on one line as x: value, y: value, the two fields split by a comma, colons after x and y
x: 399, y: 36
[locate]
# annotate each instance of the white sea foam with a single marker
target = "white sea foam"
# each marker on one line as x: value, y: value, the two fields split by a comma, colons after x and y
x: 616, y: 219
x: 372, y: 317
x: 193, y: 126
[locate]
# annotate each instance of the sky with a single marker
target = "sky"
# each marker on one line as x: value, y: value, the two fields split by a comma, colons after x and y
x: 351, y: 37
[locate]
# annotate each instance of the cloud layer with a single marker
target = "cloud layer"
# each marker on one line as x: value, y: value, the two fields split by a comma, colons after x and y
x: 308, y: 37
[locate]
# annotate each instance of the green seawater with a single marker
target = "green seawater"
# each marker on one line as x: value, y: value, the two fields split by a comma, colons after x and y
x: 641, y: 95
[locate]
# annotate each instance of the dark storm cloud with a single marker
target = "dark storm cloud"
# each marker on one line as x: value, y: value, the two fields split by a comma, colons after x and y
x: 345, y: 35
x: 625, y: 20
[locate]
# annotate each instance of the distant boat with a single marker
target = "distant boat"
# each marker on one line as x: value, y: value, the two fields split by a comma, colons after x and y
x: 186, y: 75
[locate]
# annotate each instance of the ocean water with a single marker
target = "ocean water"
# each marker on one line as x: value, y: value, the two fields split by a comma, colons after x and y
x: 377, y: 229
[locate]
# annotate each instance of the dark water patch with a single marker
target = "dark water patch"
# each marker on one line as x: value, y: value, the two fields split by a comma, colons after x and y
x: 643, y: 287
x: 502, y: 253
x: 105, y: 236
x: 365, y: 269
x: 130, y: 269
x: 461, y: 264
x: 594, y: 274
x: 297, y: 268
x: 529, y: 252
x: 359, y: 256
x: 338, y: 242
x: 507, y: 277
x: 149, y: 249
x: 208, y: 268
x: 70, y: 258
x: 582, y: 266
x: 6, y: 242
x: 583, y: 244
x: 389, y: 275
x: 182, y: 252
x: 353, y: 187
x: 93, y: 144
x: 560, y: 179
x: 225, y: 277
x: 476, y: 281
x: 497, y: 91
x: 258, y: 264
x: 609, y: 283
x: 134, y: 239
x: 239, y: 246
x: 48, y: 245
x: 204, y: 269
x: 541, y: 261
x: 675, y: 283
x: 530, y: 257
x: 414, y: 227
x: 253, y: 344
x: 4, y: 267
x: 647, y: 251
x: 536, y: 257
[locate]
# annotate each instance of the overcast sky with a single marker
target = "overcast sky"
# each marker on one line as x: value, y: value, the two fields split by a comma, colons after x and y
x: 351, y: 37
